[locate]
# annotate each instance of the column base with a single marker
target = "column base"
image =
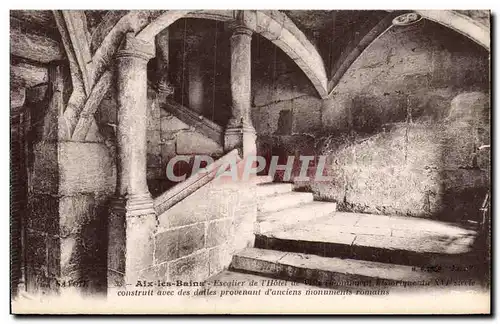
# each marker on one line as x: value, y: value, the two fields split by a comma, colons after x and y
x: 133, y: 205
x: 138, y: 205
x: 131, y: 227
x: 243, y: 138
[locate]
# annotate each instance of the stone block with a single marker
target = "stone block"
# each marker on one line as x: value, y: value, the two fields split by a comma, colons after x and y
x: 36, y: 250
x: 306, y: 113
x: 172, y: 124
x: 107, y: 110
x: 43, y: 213
x: 245, y: 237
x: 167, y: 149
x: 286, y: 86
x: 157, y: 272
x: 457, y: 144
x: 179, y: 242
x: 37, y: 93
x: 191, y: 239
x: 219, y: 232
x: 193, y: 267
x: 154, y: 160
x: 196, y: 143
x: 190, y: 210
x: 76, y: 212
x: 219, y: 259
x: 36, y: 281
x: 166, y: 246
x: 139, y: 243
x: 153, y: 121
x: 45, y: 177
x: 246, y: 210
x: 154, y: 147
x: 258, y: 260
x: 82, y: 257
x: 153, y: 137
x: 222, y: 202
x: 116, y: 242
x: 115, y: 280
x: 70, y: 256
x: 154, y: 173
x: 244, y: 224
x: 53, y: 256
x: 271, y: 118
x: 86, y: 168
x: 470, y: 106
x: 167, y: 135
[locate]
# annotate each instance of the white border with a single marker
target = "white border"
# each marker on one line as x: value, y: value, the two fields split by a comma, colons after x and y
x: 199, y: 4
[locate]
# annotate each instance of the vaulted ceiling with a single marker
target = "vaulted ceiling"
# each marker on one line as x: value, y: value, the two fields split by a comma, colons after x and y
x: 35, y: 37
x: 323, y: 43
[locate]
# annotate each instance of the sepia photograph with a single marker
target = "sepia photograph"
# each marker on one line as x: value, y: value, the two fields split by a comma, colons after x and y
x: 250, y: 161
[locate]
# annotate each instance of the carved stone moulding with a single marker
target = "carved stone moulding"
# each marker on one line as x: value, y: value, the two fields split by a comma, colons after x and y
x: 406, y: 19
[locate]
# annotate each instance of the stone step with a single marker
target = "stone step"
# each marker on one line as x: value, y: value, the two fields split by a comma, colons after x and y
x: 270, y: 189
x: 322, y: 271
x: 262, y: 179
x: 382, y: 238
x: 285, y: 218
x: 283, y: 201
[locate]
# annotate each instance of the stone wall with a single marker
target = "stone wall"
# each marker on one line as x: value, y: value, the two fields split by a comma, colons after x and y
x: 196, y: 238
x: 204, y: 50
x: 167, y: 137
x: 401, y: 129
x: 69, y: 184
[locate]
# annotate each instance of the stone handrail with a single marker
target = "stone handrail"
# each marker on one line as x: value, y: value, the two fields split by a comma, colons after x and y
x: 181, y: 190
x: 200, y: 123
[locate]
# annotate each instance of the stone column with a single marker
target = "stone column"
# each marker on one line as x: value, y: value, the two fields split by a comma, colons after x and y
x: 195, y: 77
x: 162, y: 61
x: 132, y: 220
x: 240, y: 132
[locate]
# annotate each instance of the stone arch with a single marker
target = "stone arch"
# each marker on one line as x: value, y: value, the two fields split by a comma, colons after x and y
x: 271, y: 24
x: 461, y: 24
x: 448, y: 18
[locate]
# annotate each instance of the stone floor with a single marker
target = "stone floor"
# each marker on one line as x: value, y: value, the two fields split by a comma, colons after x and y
x: 380, y: 231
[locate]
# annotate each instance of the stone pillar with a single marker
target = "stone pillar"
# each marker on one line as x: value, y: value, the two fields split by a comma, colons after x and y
x: 162, y: 61
x: 132, y: 220
x: 17, y: 97
x: 195, y: 76
x: 69, y: 185
x: 240, y: 132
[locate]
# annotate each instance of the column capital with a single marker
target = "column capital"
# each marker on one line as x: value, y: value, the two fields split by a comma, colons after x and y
x: 134, y: 47
x: 165, y: 88
x: 239, y: 29
x: 245, y: 18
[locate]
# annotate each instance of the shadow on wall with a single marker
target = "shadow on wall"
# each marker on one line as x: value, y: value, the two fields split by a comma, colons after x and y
x: 401, y: 129
x: 88, y: 254
x: 427, y: 166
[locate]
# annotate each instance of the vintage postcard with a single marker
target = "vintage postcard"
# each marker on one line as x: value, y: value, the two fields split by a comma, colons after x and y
x: 250, y: 161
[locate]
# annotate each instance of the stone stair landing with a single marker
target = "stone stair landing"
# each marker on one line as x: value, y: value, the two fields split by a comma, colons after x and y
x: 299, y: 239
x: 391, y: 239
x: 321, y: 248
x: 279, y: 207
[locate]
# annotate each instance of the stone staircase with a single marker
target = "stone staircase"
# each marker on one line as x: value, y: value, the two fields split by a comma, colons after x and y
x: 303, y: 240
x: 280, y: 208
